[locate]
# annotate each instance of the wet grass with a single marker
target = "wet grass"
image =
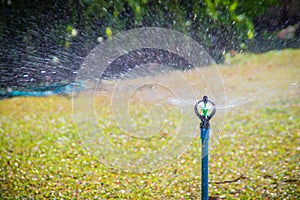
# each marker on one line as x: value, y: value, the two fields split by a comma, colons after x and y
x: 42, y: 156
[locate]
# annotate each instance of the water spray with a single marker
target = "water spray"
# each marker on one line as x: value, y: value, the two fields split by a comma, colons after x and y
x: 205, y: 106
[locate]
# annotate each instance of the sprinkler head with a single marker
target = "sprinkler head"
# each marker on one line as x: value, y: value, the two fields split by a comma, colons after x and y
x: 205, y: 99
x: 205, y: 116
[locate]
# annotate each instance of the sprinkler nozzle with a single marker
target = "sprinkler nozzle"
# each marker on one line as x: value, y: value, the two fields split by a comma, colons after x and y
x: 205, y: 99
x: 204, y: 117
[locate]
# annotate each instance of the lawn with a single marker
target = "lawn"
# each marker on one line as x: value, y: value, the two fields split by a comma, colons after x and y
x: 255, y: 155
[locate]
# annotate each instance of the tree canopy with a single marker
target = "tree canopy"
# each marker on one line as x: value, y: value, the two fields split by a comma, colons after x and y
x: 38, y: 35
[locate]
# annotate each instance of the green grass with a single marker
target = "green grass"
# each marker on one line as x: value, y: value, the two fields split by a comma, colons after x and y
x: 42, y: 156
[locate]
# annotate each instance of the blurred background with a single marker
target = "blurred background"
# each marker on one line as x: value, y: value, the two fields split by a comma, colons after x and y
x: 44, y: 42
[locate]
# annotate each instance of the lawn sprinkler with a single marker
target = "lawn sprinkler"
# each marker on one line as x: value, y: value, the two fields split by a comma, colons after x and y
x: 206, y: 106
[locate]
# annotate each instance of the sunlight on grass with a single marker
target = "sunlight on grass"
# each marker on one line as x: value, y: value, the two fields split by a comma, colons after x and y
x: 257, y: 157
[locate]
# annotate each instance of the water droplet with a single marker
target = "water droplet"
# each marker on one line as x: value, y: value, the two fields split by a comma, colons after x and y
x: 74, y: 32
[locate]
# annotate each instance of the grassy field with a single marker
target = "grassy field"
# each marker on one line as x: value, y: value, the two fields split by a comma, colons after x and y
x: 256, y: 157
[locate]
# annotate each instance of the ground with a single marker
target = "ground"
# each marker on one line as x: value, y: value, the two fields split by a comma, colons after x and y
x: 256, y: 155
